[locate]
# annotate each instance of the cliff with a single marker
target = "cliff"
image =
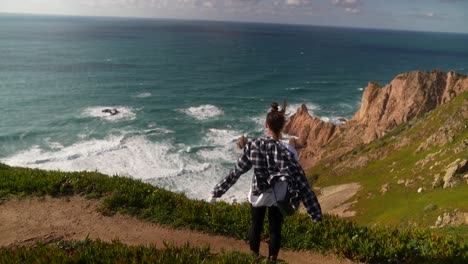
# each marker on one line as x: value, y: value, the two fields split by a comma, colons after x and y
x: 407, y: 96
x: 312, y: 133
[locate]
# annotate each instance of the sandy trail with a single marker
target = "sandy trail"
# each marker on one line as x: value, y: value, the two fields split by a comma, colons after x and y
x: 26, y: 221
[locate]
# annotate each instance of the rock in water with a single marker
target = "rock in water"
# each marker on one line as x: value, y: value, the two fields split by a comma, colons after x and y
x: 112, y: 112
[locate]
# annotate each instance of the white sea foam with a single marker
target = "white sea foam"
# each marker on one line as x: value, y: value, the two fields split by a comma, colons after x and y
x: 158, y: 131
x: 311, y: 108
x: 203, y: 112
x: 345, y: 107
x: 160, y: 163
x: 358, y: 104
x: 143, y: 95
x: 333, y: 119
x: 222, y: 137
x: 224, y: 150
x: 259, y: 120
x: 53, y: 145
x: 115, y: 155
x: 218, y: 147
x: 361, y: 88
x: 290, y: 110
x: 293, y: 88
x: 223, y: 144
x: 124, y: 113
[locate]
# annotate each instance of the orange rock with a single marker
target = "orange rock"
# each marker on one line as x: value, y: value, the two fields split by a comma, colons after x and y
x: 407, y: 96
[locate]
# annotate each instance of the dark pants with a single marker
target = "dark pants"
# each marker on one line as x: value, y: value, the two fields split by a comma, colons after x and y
x: 275, y: 219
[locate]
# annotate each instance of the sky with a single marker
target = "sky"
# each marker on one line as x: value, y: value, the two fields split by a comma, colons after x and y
x: 420, y: 15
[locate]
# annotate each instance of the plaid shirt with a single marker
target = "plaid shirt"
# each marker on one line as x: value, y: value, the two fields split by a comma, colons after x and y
x: 272, y: 163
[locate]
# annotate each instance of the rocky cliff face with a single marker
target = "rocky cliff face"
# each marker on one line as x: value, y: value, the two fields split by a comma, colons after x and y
x: 312, y: 133
x: 407, y: 96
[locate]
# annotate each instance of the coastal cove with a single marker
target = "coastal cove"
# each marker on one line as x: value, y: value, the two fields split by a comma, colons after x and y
x: 184, y: 91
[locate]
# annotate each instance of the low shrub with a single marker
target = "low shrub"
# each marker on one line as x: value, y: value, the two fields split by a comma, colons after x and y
x: 88, y: 251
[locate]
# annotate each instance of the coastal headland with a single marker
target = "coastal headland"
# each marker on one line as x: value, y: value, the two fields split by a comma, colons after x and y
x: 404, y: 155
x: 406, y: 148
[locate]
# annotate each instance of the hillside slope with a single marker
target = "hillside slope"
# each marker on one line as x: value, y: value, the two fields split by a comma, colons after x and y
x: 407, y: 149
x: 413, y: 175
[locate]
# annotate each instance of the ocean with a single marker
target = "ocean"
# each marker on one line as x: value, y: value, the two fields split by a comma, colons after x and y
x: 185, y: 90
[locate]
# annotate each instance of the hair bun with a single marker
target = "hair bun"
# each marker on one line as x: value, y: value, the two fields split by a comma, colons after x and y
x: 274, y: 107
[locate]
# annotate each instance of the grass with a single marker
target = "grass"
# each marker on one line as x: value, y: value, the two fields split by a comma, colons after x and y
x: 394, y: 207
x: 88, y: 251
x: 345, y: 238
x: 402, y: 206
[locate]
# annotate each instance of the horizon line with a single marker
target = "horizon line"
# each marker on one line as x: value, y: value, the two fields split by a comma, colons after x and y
x: 228, y: 21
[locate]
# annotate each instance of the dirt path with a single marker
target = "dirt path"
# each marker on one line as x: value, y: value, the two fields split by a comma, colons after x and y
x: 23, y: 222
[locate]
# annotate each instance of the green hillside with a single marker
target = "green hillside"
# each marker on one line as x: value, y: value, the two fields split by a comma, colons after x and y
x: 408, y: 158
x: 150, y: 203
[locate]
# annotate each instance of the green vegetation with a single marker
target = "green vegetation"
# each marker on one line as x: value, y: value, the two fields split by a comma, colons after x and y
x: 399, y: 157
x: 88, y: 251
x: 367, y: 244
x: 385, y: 224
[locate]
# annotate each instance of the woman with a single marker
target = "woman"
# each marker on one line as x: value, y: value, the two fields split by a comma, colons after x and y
x: 276, y: 172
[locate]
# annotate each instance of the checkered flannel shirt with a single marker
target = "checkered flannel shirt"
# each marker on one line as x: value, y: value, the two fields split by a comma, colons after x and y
x: 272, y: 163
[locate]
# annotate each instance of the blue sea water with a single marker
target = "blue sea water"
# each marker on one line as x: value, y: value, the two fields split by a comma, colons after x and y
x: 185, y: 90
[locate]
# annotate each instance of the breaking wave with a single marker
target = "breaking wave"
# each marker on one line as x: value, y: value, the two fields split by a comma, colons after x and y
x: 203, y: 112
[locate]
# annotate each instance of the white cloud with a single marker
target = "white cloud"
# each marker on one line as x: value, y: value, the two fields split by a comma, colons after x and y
x: 429, y: 14
x: 208, y: 4
x: 297, y: 2
x: 346, y: 3
x: 451, y: 1
x: 352, y: 10
x: 293, y: 2
x: 350, y: 6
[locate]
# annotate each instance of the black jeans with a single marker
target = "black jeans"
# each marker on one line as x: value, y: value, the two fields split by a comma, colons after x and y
x: 275, y: 219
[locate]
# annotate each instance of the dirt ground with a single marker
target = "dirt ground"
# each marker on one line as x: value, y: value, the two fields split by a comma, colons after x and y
x: 335, y: 199
x: 26, y: 221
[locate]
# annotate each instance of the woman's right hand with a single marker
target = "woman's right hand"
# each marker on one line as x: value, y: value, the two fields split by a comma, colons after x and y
x: 212, y: 200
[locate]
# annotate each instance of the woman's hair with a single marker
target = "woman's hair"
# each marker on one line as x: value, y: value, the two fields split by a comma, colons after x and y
x: 276, y: 118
